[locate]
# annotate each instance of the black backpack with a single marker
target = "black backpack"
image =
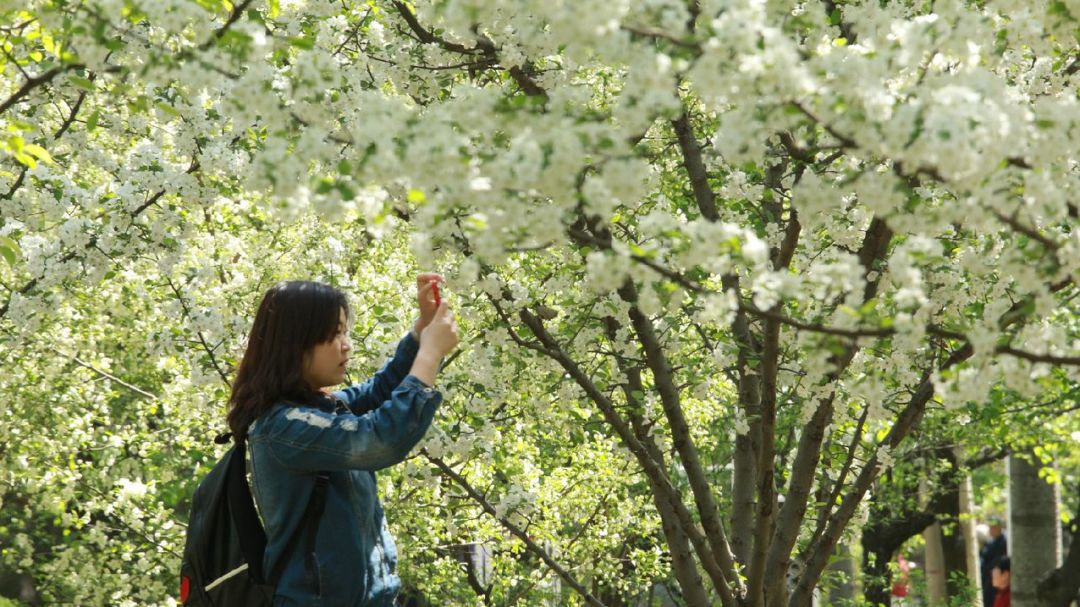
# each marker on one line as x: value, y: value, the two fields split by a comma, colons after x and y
x: 223, y: 551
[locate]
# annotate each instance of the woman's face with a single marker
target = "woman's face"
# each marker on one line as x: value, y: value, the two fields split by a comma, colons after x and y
x: 324, y: 364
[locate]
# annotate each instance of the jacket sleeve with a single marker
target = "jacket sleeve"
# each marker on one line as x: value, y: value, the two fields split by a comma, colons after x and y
x: 361, y: 398
x: 306, y: 439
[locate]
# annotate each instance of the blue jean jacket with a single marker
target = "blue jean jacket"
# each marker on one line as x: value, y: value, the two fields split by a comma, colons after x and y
x: 359, y: 430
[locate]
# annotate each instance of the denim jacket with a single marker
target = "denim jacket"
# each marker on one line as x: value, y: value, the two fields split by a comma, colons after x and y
x: 350, y: 435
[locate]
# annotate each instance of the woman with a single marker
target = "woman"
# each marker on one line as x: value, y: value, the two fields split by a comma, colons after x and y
x: 296, y: 430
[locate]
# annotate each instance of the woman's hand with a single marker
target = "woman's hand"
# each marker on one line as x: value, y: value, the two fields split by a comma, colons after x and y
x: 437, y: 340
x: 425, y: 298
x: 440, y: 337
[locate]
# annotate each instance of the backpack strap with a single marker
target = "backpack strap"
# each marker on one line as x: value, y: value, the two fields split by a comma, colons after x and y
x: 312, y: 517
x: 242, y: 508
x: 310, y: 524
x: 250, y: 531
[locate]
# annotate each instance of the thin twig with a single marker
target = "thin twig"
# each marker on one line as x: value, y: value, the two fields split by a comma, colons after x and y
x: 516, y: 531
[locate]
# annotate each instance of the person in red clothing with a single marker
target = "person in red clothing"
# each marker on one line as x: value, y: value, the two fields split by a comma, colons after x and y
x: 901, y: 582
x: 999, y: 577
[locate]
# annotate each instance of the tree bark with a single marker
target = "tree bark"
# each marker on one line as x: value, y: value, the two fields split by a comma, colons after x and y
x: 953, y: 541
x: 1062, y: 587
x: 971, y: 544
x: 742, y: 497
x: 1034, y: 527
x: 689, y: 457
x: 936, y: 589
x: 747, y: 446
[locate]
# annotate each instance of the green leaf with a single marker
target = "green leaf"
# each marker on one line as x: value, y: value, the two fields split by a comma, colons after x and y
x: 26, y: 159
x: 38, y: 152
x: 640, y: 252
x: 1058, y: 9
x: 10, y: 243
x: 49, y: 44
x: 168, y: 109
x: 92, y: 121
x: 139, y: 104
x: 9, y: 249
x: 83, y: 83
x: 347, y: 193
x: 302, y: 42
x: 233, y: 37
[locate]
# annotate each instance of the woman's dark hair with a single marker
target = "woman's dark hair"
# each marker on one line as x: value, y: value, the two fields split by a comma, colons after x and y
x: 294, y: 316
x: 1003, y: 564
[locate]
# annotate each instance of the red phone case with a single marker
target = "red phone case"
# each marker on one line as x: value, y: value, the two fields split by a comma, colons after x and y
x: 435, y: 289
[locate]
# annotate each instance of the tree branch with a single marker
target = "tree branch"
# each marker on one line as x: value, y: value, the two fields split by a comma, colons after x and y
x: 108, y: 376
x: 234, y: 16
x: 56, y: 136
x: 1039, y: 358
x: 834, y: 494
x: 765, y: 519
x: 685, y: 568
x: 650, y: 467
x: 695, y: 167
x: 32, y: 83
x: 516, y: 531
x: 808, y: 454
x: 1031, y: 233
x: 663, y: 377
x: 428, y: 37
x: 194, y: 166
x: 820, y: 550
x: 658, y: 34
x: 206, y: 347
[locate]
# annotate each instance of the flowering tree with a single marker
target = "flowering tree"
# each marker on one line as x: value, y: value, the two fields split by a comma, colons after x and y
x: 717, y: 261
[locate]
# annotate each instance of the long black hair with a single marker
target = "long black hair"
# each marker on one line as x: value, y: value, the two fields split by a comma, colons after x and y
x: 293, y: 317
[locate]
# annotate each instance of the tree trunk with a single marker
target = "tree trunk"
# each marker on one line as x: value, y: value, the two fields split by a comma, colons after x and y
x: 971, y: 544
x: 1035, y: 540
x: 1062, y: 587
x: 957, y: 536
x: 842, y: 593
x: 877, y: 580
x: 742, y: 498
x: 936, y: 592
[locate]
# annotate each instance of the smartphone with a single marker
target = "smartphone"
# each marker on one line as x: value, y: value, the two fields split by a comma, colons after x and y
x: 435, y: 289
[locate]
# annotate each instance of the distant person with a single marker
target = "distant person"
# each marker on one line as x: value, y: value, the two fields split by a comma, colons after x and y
x: 902, y: 581
x: 999, y: 576
x: 997, y: 547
